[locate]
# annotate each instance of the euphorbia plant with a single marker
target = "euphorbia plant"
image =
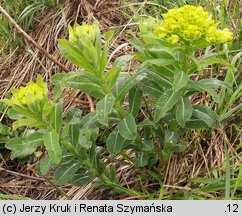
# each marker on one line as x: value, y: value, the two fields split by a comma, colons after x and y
x: 158, y: 92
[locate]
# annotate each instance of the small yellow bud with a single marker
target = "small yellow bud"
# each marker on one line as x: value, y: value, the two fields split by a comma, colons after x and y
x: 173, y: 39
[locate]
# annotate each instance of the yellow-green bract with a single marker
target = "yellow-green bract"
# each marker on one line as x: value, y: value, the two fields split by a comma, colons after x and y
x: 189, y: 23
x: 29, y: 94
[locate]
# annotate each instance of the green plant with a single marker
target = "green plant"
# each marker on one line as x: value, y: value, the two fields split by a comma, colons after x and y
x: 158, y: 92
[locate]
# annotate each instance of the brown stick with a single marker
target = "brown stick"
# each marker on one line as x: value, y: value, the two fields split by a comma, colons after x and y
x: 31, y: 40
x: 20, y: 174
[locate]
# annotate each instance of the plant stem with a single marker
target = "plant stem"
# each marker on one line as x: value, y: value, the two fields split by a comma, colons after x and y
x: 119, y: 187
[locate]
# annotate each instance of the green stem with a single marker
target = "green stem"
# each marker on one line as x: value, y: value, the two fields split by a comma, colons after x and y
x: 120, y: 110
x: 119, y: 187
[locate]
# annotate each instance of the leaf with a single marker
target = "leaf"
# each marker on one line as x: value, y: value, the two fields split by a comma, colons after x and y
x: 73, y: 54
x: 51, y: 142
x: 207, y: 115
x: 158, y: 79
x: 122, y: 60
x: 179, y: 147
x: 115, y: 143
x: 183, y: 111
x: 161, y: 62
x: 112, y: 75
x: 128, y: 128
x: 149, y: 87
x: 166, y: 102
x: 45, y: 165
x: 74, y: 116
x: 81, y: 179
x: 89, y: 87
x: 142, y: 160
x: 215, y: 83
x: 104, y: 108
x: 129, y: 84
x: 27, y: 122
x: 196, y: 85
x: 74, y: 133
x: 135, y: 96
x: 56, y: 116
x: 195, y: 124
x: 4, y: 130
x: 13, y: 114
x: 66, y: 172
x: 22, y: 147
x: 230, y: 112
x: 180, y: 81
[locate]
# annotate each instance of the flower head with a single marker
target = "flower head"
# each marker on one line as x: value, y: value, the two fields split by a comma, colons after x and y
x: 29, y: 94
x: 84, y: 31
x: 191, y: 23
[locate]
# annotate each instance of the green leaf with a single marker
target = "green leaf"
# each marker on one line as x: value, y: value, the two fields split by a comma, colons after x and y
x: 45, y: 165
x: 183, y: 111
x: 215, y: 83
x: 66, y: 172
x: 27, y: 122
x: 81, y: 179
x: 207, y: 115
x: 159, y: 79
x: 180, y: 81
x: 166, y: 102
x: 129, y: 84
x: 135, y: 97
x: 160, y: 62
x: 199, y: 86
x: 112, y: 75
x: 13, y: 114
x: 74, y: 116
x: 4, y: 130
x: 22, y: 147
x: 122, y: 60
x: 87, y: 86
x: 56, y: 116
x: 142, y: 160
x: 51, y: 142
x: 104, y: 108
x: 74, y: 133
x: 57, y: 91
x: 73, y: 54
x: 179, y: 147
x: 195, y: 124
x: 115, y: 143
x: 149, y: 87
x: 230, y: 112
x: 128, y: 128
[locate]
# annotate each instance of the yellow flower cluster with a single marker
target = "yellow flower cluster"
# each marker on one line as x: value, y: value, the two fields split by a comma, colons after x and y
x: 29, y: 94
x: 84, y: 31
x: 191, y: 23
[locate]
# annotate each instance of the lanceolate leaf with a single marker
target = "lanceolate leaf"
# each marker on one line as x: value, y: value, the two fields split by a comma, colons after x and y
x: 207, y: 115
x: 135, y: 96
x: 66, y: 172
x: 45, y: 165
x: 128, y: 128
x: 129, y: 84
x: 104, y: 108
x: 142, y: 160
x: 56, y: 116
x: 166, y: 102
x: 24, y: 146
x: 199, y: 86
x: 183, y: 111
x: 180, y: 81
x: 115, y: 143
x: 51, y: 142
